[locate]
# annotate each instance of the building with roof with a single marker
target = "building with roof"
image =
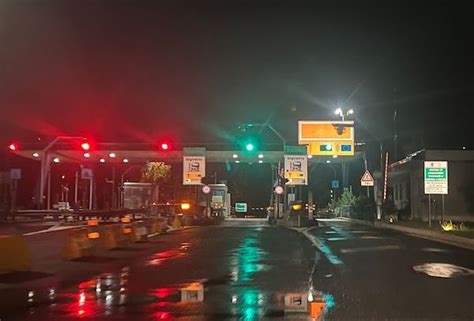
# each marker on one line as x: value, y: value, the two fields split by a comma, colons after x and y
x: 405, y: 186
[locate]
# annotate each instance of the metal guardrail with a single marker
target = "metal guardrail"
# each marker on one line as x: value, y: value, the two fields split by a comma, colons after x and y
x: 57, y: 215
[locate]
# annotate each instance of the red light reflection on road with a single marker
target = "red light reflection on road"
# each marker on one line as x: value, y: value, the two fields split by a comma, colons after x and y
x: 162, y: 293
x: 163, y: 315
x: 160, y: 257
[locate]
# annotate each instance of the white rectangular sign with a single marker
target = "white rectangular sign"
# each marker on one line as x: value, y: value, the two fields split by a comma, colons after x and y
x: 296, y: 302
x: 194, y: 169
x: 296, y: 169
x: 436, y: 177
x: 194, y: 292
x: 87, y: 173
x: 15, y: 173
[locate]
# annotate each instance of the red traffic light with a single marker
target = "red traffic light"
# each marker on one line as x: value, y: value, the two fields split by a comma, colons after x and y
x: 85, y: 146
x: 165, y: 146
x: 13, y: 147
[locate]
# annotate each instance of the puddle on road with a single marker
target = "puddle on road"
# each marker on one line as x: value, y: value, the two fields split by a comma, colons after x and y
x: 160, y: 257
x: 443, y: 270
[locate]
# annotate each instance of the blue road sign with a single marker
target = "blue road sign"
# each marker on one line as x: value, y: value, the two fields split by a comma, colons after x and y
x: 335, y: 184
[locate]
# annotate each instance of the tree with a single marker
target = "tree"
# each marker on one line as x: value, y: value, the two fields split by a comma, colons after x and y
x: 156, y: 173
x: 347, y: 199
x: 345, y: 202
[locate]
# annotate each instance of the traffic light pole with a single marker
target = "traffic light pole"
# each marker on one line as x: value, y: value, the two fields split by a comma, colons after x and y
x: 267, y: 125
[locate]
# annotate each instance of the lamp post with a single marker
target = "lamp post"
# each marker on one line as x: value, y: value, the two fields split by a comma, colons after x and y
x: 45, y: 158
x: 343, y: 113
x: 345, y: 173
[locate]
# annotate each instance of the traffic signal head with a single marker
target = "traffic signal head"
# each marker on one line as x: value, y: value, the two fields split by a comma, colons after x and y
x: 325, y: 147
x: 165, y: 145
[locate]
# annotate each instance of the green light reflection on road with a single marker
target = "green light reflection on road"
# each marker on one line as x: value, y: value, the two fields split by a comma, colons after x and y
x: 246, y: 261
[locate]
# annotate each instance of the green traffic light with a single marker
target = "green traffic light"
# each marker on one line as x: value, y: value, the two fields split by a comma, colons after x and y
x: 325, y: 147
x: 249, y: 147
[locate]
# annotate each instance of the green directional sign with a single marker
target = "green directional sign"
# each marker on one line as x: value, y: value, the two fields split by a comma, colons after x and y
x: 194, y: 151
x: 436, y: 173
x: 241, y: 207
x: 296, y: 150
x: 436, y: 177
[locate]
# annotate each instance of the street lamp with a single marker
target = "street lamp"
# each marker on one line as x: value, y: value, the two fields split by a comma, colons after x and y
x: 343, y: 113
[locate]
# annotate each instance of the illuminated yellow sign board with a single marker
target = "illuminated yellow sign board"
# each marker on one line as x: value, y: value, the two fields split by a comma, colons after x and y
x: 327, y: 138
x: 341, y: 148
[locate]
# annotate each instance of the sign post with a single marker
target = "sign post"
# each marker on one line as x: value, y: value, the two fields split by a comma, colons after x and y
x: 367, y: 180
x: 241, y: 207
x: 296, y: 165
x: 88, y: 173
x: 194, y: 165
x: 435, y: 181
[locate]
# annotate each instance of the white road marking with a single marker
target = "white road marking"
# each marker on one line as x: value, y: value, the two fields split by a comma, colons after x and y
x: 371, y: 248
x: 370, y: 237
x: 53, y: 229
x: 332, y: 239
x: 433, y: 249
x: 322, y: 247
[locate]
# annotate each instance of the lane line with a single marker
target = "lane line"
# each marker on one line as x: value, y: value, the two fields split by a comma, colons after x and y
x: 53, y: 229
x: 332, y: 239
x: 370, y: 237
x: 371, y: 248
x: 322, y: 247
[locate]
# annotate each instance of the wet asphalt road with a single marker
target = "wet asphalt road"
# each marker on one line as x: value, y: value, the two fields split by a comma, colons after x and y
x: 370, y: 273
x: 243, y: 271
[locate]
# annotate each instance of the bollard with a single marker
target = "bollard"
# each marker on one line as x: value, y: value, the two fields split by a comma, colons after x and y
x: 78, y: 244
x: 139, y: 232
x: 93, y: 226
x: 14, y: 254
x: 114, y: 237
x: 177, y: 222
x: 315, y: 309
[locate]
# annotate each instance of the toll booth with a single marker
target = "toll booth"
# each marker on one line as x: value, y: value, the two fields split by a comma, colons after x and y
x: 217, y: 201
x: 137, y: 195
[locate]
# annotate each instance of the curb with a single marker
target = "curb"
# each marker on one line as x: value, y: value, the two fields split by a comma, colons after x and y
x: 430, y: 235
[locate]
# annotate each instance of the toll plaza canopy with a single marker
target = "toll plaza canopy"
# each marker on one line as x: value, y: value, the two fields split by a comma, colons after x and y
x: 110, y: 155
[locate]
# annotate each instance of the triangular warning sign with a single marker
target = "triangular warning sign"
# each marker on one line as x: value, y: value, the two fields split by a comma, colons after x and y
x: 367, y: 179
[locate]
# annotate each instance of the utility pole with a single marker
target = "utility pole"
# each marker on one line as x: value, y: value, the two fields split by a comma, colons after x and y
x: 76, y: 186
x: 379, y: 195
x: 395, y: 126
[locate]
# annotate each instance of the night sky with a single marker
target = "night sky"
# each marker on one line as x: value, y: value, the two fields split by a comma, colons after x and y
x: 138, y: 70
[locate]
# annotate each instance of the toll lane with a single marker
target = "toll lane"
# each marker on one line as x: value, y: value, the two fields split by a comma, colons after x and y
x: 382, y: 274
x: 205, y: 273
